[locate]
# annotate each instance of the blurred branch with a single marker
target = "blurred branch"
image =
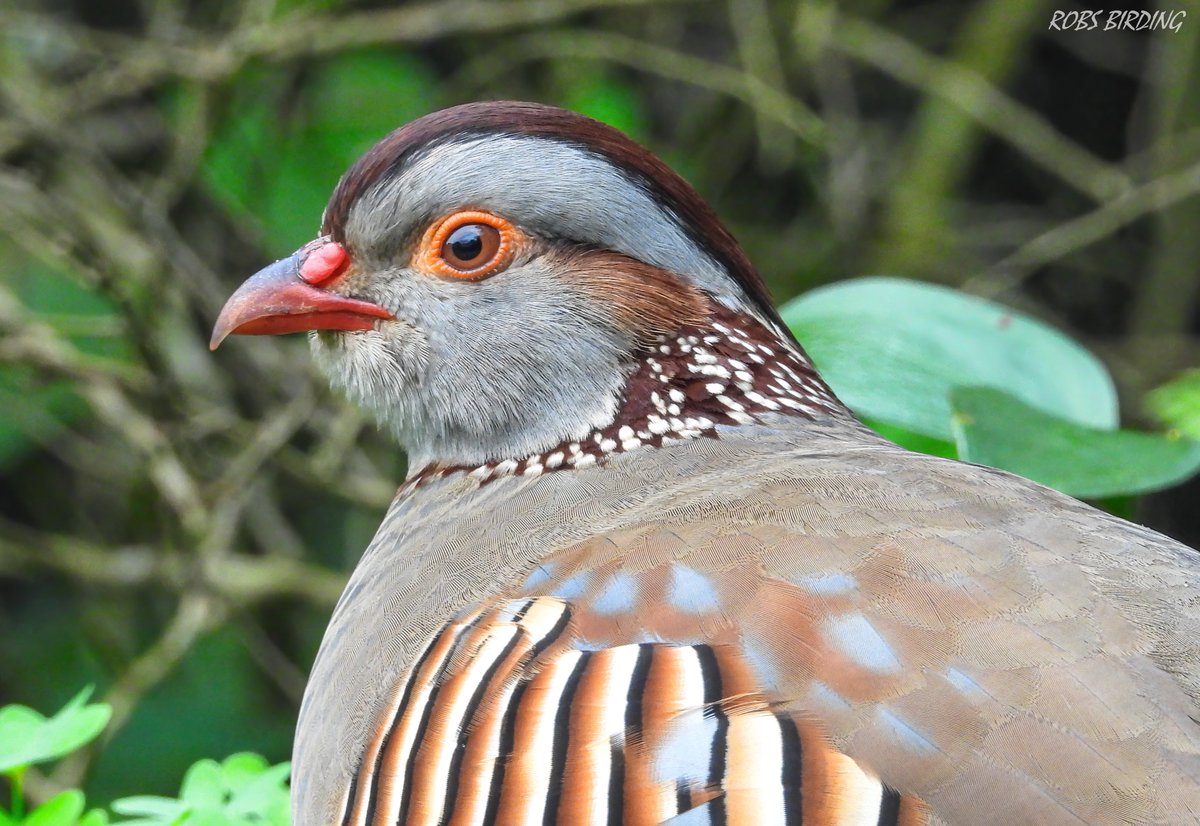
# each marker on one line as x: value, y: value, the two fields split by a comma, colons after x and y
x: 187, y: 150
x: 166, y: 469
x: 195, y: 614
x: 370, y: 490
x: 275, y: 432
x: 141, y: 64
x: 972, y: 94
x: 773, y: 104
x: 270, y: 660
x: 759, y: 54
x: 25, y: 344
x: 238, y: 578
x: 1075, y: 234
x: 1167, y: 299
x: 915, y: 224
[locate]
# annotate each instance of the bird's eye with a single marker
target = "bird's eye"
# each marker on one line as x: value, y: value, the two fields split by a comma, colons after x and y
x: 469, y: 245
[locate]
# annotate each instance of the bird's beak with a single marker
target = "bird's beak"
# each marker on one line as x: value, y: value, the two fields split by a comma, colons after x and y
x: 278, y: 299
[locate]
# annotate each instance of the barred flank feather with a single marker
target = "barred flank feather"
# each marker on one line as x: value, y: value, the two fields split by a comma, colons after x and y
x: 499, y: 722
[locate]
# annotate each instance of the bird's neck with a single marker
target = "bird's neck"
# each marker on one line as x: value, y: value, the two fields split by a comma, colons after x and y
x: 731, y: 370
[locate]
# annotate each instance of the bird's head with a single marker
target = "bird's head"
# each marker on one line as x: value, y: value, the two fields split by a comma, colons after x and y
x: 494, y: 282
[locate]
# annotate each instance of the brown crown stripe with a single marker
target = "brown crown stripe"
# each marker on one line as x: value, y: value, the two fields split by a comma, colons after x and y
x: 389, y: 156
x: 505, y: 736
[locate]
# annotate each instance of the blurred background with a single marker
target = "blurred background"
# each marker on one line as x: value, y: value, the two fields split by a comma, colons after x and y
x: 175, y: 525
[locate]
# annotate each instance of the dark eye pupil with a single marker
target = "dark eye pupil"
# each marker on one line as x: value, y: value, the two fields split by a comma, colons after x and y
x: 466, y: 243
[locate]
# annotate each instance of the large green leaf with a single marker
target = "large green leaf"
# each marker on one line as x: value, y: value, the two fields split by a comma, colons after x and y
x: 913, y: 441
x: 894, y: 349
x: 995, y: 428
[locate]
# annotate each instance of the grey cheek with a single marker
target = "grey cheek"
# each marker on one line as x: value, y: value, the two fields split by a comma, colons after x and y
x: 511, y: 364
x: 376, y: 369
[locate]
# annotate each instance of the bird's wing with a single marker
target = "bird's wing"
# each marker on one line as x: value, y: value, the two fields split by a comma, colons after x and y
x: 505, y: 718
x: 997, y: 650
x: 966, y: 639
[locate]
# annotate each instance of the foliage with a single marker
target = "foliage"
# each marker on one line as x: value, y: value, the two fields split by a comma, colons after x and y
x: 167, y: 514
x: 28, y: 738
x: 242, y: 790
x: 995, y: 428
x: 1177, y: 403
x: 931, y: 366
x: 64, y: 809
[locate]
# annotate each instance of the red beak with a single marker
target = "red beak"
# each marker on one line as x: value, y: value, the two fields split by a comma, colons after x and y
x: 277, y: 300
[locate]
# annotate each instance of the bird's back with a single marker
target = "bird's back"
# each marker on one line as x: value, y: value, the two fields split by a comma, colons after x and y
x: 938, y: 639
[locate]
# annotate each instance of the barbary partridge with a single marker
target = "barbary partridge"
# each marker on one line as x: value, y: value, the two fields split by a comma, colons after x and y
x: 646, y: 568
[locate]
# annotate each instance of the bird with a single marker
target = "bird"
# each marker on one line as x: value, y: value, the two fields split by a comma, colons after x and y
x: 647, y: 568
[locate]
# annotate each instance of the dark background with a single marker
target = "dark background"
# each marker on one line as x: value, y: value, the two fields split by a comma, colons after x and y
x: 175, y: 525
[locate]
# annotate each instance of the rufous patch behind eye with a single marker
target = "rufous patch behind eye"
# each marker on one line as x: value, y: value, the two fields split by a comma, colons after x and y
x: 324, y: 263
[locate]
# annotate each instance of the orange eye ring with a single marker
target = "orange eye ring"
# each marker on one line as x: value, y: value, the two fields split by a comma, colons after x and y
x: 470, y: 245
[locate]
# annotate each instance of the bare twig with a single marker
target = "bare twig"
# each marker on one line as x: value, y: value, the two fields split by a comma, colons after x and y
x: 1087, y: 229
x: 238, y: 578
x: 774, y: 105
x: 1017, y: 125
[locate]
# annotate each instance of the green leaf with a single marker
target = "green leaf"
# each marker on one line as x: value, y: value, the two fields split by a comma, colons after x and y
x: 63, y: 809
x: 243, y: 768
x: 1177, y: 403
x: 243, y: 789
x: 995, y: 428
x: 894, y: 349
x: 96, y: 817
x: 26, y: 737
x: 151, y: 810
x: 203, y: 785
x: 258, y: 790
